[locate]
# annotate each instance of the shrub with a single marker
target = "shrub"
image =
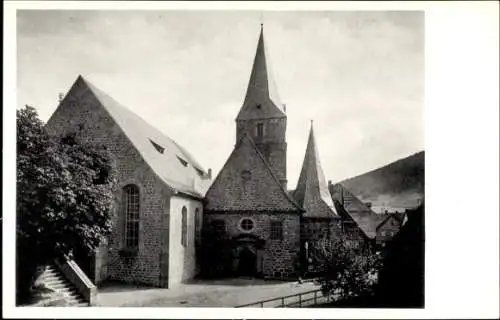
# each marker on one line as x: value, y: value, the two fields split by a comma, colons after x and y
x: 345, y: 268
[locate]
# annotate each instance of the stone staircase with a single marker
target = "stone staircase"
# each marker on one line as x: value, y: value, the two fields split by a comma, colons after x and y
x: 53, y: 279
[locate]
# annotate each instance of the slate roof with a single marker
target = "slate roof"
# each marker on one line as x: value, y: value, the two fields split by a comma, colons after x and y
x: 175, y: 166
x: 365, y: 218
x: 312, y: 189
x: 228, y: 194
x: 261, y: 90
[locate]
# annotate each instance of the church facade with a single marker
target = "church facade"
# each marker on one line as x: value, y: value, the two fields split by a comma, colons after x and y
x: 172, y: 221
x: 158, y: 208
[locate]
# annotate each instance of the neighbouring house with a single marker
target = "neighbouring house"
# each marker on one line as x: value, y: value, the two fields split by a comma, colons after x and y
x: 389, y: 227
x: 159, y: 200
x: 362, y: 220
x: 384, y: 209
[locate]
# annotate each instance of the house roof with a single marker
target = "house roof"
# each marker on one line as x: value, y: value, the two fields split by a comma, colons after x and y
x: 171, y: 162
x: 230, y: 192
x: 386, y: 217
x: 262, y: 99
x: 346, y: 216
x: 312, y: 189
x: 364, y: 217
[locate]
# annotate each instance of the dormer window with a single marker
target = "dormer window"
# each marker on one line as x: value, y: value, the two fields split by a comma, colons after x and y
x: 158, y: 148
x: 259, y: 106
x: 199, y: 172
x: 182, y: 161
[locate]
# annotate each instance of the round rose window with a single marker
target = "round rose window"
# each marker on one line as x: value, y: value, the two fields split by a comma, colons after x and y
x: 246, y: 224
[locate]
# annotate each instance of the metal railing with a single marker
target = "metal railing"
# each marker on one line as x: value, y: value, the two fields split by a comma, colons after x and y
x: 302, y: 300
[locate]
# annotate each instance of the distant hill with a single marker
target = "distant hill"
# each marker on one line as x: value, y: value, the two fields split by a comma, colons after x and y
x: 398, y: 184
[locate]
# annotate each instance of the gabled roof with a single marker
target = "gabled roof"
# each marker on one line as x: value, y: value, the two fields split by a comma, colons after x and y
x: 247, y: 183
x: 262, y: 99
x: 365, y: 218
x: 386, y: 217
x: 312, y: 189
x: 172, y: 163
x: 347, y: 217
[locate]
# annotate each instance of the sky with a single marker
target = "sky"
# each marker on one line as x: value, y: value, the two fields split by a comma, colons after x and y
x: 358, y: 75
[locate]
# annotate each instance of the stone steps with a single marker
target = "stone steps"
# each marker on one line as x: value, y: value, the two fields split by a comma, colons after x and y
x: 53, y: 279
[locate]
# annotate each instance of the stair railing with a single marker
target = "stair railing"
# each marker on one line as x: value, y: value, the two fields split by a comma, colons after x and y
x: 75, y: 275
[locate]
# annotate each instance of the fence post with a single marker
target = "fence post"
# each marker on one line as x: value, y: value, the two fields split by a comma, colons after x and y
x: 300, y: 300
x: 282, y: 302
x: 262, y: 304
x: 315, y: 297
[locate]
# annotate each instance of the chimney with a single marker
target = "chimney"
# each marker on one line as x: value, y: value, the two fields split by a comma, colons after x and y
x: 210, y: 173
x: 329, y: 182
x: 60, y: 96
x: 368, y: 204
x: 284, y: 107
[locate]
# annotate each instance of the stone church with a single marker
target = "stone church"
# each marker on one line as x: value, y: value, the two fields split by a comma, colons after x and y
x: 172, y: 221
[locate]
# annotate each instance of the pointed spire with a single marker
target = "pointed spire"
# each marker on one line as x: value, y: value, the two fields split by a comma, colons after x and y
x: 312, y: 188
x: 261, y: 89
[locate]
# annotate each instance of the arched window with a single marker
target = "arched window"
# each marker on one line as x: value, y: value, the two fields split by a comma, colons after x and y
x: 197, y: 217
x: 184, y: 227
x: 131, y: 207
x: 259, y: 131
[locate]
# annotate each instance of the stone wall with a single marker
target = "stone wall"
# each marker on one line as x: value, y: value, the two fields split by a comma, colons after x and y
x: 272, y: 145
x: 246, y: 183
x: 274, y: 129
x: 280, y: 257
x: 80, y: 111
x: 101, y: 264
x: 316, y: 229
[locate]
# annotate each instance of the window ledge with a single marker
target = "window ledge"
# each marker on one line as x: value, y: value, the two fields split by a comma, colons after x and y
x: 129, y: 252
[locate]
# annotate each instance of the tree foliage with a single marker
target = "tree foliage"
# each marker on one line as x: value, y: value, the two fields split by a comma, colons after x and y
x: 401, y: 281
x: 345, y: 267
x: 64, y: 195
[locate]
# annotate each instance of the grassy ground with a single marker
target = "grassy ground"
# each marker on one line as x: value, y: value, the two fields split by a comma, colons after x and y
x: 201, y: 293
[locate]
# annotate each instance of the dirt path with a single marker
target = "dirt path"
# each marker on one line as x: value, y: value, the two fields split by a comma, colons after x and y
x: 218, y: 293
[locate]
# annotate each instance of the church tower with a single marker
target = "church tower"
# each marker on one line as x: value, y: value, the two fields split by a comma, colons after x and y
x: 263, y: 116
